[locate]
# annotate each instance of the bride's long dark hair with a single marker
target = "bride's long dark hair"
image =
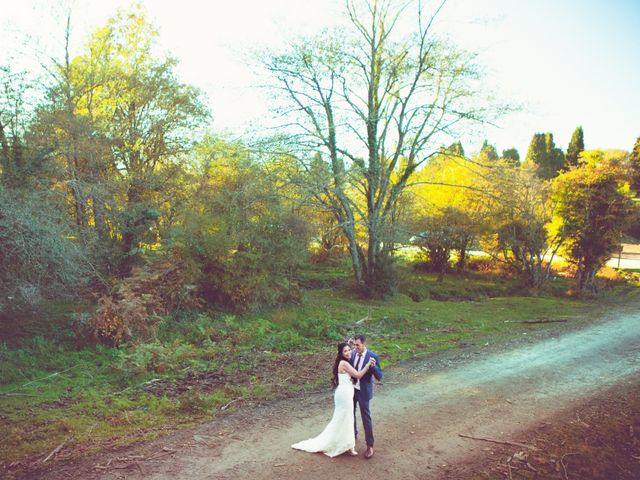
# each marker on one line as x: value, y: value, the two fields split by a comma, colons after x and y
x: 339, y: 358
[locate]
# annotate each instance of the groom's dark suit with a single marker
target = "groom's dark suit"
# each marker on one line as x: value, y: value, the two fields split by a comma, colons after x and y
x: 365, y: 393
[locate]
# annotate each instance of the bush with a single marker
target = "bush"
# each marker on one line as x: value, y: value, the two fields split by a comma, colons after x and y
x: 190, y: 326
x: 260, y: 270
x: 484, y: 264
x: 385, y: 281
x: 120, y: 317
x: 240, y: 233
x: 324, y: 329
x: 158, y: 358
x: 132, y: 310
x: 38, y: 257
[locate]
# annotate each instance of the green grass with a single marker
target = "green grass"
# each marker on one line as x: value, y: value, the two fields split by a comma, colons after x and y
x: 401, y: 328
x: 52, y: 389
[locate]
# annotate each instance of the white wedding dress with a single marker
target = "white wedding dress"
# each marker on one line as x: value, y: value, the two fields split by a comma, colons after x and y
x: 338, y: 436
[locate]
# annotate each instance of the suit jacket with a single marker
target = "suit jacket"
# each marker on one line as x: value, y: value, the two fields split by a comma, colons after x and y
x: 366, y: 382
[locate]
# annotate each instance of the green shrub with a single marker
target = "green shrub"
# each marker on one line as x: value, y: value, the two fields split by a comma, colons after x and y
x: 38, y: 257
x: 385, y: 280
x: 189, y: 325
x: 237, y: 231
x: 196, y: 403
x: 158, y: 358
x: 283, y: 341
x: 325, y: 329
x: 260, y: 270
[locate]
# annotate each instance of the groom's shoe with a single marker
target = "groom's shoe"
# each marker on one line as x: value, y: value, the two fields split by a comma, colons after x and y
x: 369, y: 453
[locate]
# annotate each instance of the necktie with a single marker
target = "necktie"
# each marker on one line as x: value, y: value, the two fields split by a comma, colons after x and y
x: 358, y: 366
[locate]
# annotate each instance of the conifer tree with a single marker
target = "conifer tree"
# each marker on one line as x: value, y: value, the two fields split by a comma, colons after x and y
x: 512, y: 155
x: 456, y: 149
x: 576, y: 147
x: 488, y: 152
x: 544, y: 155
x: 634, y: 164
x: 536, y: 151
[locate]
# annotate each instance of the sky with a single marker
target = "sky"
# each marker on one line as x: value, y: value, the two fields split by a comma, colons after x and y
x: 565, y: 62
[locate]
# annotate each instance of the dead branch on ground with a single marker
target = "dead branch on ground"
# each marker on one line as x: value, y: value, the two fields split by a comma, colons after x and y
x: 501, y: 442
x: 224, y: 407
x: 56, y: 450
x: 564, y: 467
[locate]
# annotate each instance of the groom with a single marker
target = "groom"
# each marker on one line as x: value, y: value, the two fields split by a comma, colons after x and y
x: 364, y: 388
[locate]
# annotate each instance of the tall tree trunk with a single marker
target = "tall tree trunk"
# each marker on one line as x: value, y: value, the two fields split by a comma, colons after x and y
x: 99, y: 216
x: 354, y: 251
x: 462, y: 259
x: 372, y: 257
x: 129, y: 233
x: 5, y: 155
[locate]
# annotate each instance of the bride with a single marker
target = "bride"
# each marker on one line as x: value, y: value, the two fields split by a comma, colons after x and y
x: 338, y: 436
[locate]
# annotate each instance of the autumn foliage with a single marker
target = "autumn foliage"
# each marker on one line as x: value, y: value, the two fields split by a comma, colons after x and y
x: 134, y: 306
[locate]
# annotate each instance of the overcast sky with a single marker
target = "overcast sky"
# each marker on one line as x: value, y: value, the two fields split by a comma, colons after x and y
x: 568, y: 62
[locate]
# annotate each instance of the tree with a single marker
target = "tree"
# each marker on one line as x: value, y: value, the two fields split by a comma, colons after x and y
x: 18, y: 166
x: 634, y: 166
x: 512, y: 155
x: 576, y: 147
x: 544, y: 155
x: 118, y: 118
x: 38, y: 258
x: 594, y: 207
x: 522, y: 209
x: 374, y: 103
x: 536, y: 152
x: 449, y: 198
x: 488, y: 152
x: 456, y: 149
x: 440, y: 233
x: 237, y: 232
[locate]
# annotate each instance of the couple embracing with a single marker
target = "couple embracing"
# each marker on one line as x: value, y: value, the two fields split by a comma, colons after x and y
x: 352, y: 372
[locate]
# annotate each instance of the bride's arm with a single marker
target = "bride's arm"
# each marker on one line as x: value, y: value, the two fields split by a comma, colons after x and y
x: 345, y: 367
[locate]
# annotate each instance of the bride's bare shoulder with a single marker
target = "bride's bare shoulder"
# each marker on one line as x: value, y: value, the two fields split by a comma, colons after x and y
x: 342, y: 366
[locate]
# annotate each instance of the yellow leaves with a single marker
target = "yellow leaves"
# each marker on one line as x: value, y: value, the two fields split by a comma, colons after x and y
x: 603, y: 158
x: 447, y: 181
x: 213, y: 229
x: 555, y: 227
x: 151, y: 246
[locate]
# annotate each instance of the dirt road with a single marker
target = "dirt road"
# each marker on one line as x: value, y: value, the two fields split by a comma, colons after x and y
x: 418, y: 415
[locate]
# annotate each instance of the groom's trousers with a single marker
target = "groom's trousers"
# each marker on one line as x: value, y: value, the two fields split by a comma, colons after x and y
x: 360, y: 398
